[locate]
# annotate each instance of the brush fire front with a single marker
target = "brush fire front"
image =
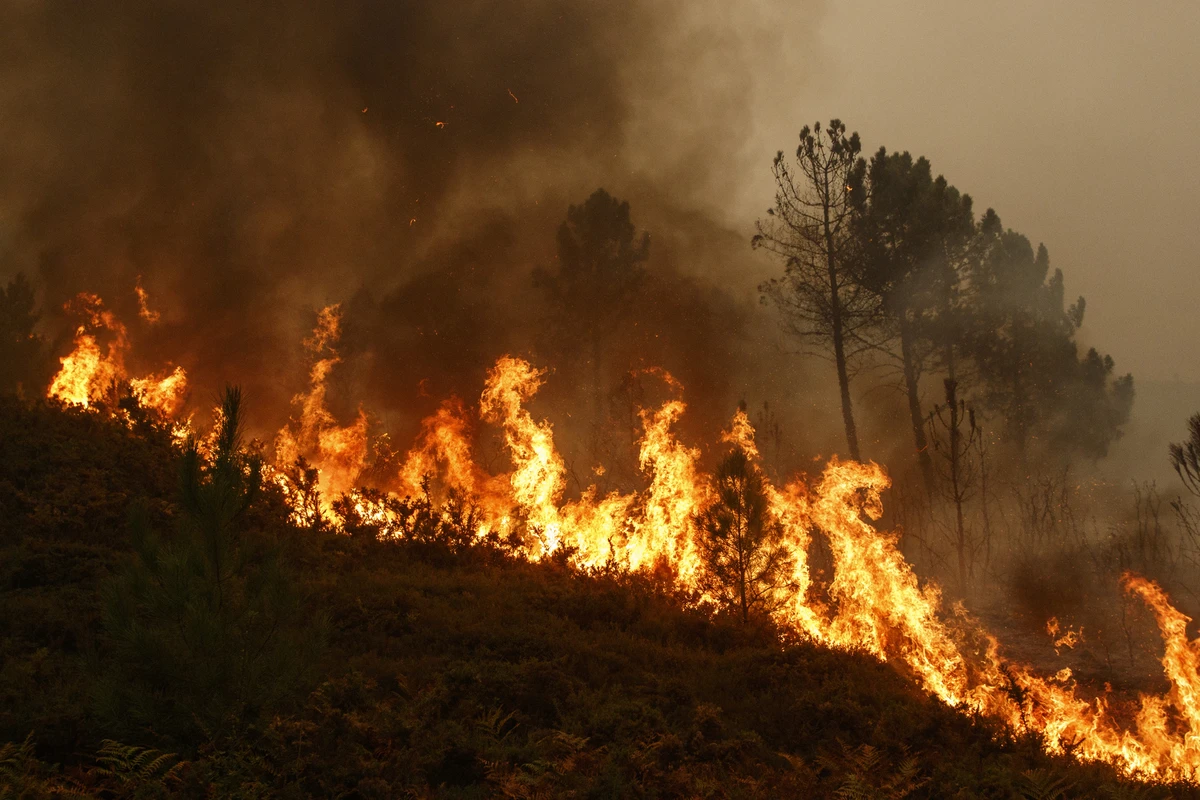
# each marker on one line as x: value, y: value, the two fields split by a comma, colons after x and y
x: 873, y: 602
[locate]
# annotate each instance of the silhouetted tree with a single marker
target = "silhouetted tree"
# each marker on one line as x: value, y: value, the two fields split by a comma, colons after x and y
x: 1022, y: 342
x: 819, y: 296
x: 914, y: 234
x: 205, y: 625
x: 741, y: 547
x: 599, y: 267
x: 956, y: 439
x: 22, y: 353
x: 1185, y: 457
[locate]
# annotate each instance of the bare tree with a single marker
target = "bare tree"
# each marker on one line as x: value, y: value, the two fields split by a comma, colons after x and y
x: 1185, y: 457
x: 821, y: 300
x: 955, y: 437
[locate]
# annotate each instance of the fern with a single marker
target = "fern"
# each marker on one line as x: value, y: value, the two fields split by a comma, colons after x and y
x: 864, y: 773
x: 23, y: 775
x: 496, y: 724
x: 1043, y: 784
x: 132, y: 767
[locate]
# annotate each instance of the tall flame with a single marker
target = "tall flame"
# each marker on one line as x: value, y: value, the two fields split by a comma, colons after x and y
x: 338, y: 452
x: 873, y: 602
x: 90, y: 373
x: 164, y: 393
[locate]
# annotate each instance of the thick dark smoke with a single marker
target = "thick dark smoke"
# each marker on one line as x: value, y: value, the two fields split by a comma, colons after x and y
x: 254, y: 161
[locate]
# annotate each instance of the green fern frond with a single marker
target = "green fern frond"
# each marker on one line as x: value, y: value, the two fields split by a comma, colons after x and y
x: 864, y: 774
x: 132, y: 766
x: 1043, y: 784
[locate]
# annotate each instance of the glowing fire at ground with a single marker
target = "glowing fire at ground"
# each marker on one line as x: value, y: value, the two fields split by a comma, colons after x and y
x: 874, y: 601
x: 91, y: 374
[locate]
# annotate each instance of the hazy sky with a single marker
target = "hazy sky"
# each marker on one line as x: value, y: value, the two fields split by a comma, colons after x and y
x: 199, y: 144
x: 1075, y: 121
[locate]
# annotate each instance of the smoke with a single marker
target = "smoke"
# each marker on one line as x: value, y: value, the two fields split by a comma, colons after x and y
x: 254, y: 161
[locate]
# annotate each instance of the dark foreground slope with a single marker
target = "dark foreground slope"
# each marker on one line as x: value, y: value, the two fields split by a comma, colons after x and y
x: 451, y: 672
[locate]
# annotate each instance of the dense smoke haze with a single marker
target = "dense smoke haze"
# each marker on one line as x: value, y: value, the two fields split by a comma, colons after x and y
x: 412, y: 161
x: 822, y: 344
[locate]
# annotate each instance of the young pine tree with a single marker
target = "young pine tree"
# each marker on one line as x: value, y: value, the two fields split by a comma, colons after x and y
x: 746, y: 565
x: 205, y: 625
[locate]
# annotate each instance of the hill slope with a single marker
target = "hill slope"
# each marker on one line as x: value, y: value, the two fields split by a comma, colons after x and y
x: 455, y: 672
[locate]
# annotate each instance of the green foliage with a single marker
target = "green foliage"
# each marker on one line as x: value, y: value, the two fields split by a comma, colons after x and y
x: 117, y: 770
x: 864, y: 773
x: 66, y: 479
x: 746, y: 565
x: 1043, y: 784
x: 912, y: 237
x: 133, y: 771
x: 205, y: 627
x: 22, y: 775
x: 912, y: 234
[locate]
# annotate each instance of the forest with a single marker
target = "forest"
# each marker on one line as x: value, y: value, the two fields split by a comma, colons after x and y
x: 403, y: 403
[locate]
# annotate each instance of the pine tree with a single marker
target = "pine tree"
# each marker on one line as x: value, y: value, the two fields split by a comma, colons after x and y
x: 746, y: 566
x: 820, y: 296
x: 1021, y: 340
x: 913, y: 234
x: 205, y: 624
x: 599, y: 269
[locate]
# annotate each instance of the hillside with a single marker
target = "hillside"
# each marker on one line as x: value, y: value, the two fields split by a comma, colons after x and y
x: 449, y: 671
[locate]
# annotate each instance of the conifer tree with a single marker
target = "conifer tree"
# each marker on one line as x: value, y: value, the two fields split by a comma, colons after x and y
x: 205, y: 624
x: 746, y: 566
x: 820, y: 297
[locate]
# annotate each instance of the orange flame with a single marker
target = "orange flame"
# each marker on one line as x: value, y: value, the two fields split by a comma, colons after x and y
x: 339, y: 453
x: 164, y: 394
x: 874, y: 600
x: 143, y: 297
x: 89, y: 372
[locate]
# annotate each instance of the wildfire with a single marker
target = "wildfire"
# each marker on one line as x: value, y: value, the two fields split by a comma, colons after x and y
x: 876, y: 604
x: 873, y: 602
x: 164, y: 393
x: 1067, y: 639
x: 339, y: 453
x: 90, y: 373
x: 144, y: 310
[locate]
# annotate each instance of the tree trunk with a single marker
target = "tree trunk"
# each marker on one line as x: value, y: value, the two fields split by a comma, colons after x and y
x: 912, y: 388
x: 839, y: 347
x: 743, y: 565
x: 844, y: 386
x: 597, y: 396
x: 956, y: 454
